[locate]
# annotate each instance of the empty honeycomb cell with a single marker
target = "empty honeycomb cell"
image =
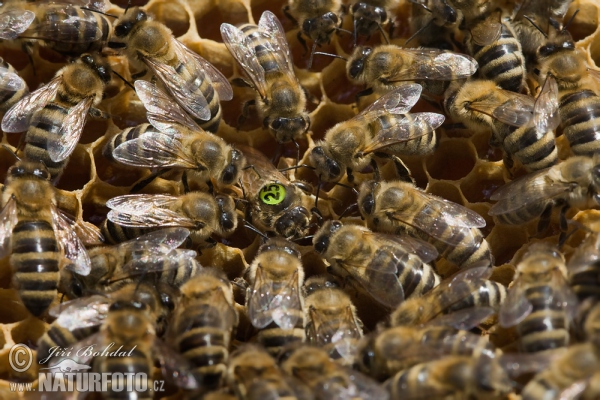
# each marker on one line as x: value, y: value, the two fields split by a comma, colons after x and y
x: 416, y: 167
x: 595, y: 51
x: 14, y: 310
x: 93, y: 130
x: 586, y: 21
x: 231, y: 11
x: 453, y: 160
x: 28, y: 331
x: 327, y: 116
x: 481, y: 141
x: 447, y: 191
x: 78, y: 171
x: 336, y: 85
x: 505, y: 240
x: 16, y: 57
x: 172, y: 14
x: 257, y: 7
x: 482, y: 182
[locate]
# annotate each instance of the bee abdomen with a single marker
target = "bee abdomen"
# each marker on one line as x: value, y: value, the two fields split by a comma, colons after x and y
x: 469, y: 252
x: 115, y: 234
x: 35, y: 260
x: 420, y: 145
x: 124, y: 136
x: 61, y: 337
x: 135, y: 363
x: 8, y: 98
x: 533, y: 149
x: 266, y: 59
x: 580, y: 116
x: 540, y: 388
x: 275, y: 338
x: 586, y: 283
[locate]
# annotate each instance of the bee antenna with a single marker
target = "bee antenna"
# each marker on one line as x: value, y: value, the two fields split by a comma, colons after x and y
x: 12, y: 152
x: 348, y: 209
x: 124, y: 80
x: 421, y: 29
x: 330, y: 55
x: 343, y: 30
x: 570, y: 20
x: 297, y: 166
x: 387, y: 40
x: 528, y: 18
x: 254, y: 229
x: 99, y: 12
x: 128, y: 5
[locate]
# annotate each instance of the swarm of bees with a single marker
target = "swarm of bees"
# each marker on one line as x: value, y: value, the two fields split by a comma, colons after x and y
x: 272, y: 212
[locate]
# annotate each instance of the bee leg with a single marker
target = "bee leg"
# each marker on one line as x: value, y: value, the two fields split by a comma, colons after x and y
x: 362, y: 93
x: 286, y: 12
x: 545, y: 219
x: 351, y: 209
x: 349, y: 174
x: 375, y: 167
x: 402, y: 170
x: 245, y: 112
x: 310, y: 97
x: 211, y: 187
x: 138, y: 75
x: 240, y: 82
x: 563, y: 218
x: 303, y: 43
x: 184, y: 182
x: 145, y: 182
x: 28, y: 49
x: 97, y: 113
x: 210, y: 242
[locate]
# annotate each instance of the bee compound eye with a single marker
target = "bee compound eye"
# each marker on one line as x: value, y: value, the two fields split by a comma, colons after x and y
x: 332, y: 17
x: 123, y: 29
x: 322, y: 244
x: 308, y: 25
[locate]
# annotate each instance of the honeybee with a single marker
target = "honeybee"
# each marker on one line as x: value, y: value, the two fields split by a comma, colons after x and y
x: 521, y: 125
x: 584, y: 268
x: 65, y: 28
x: 37, y: 236
x: 384, y: 67
x: 195, y: 84
x: 383, y: 127
x: 331, y: 321
x: 202, y: 213
x: 383, y: 354
x: 253, y: 375
x: 12, y: 87
x: 263, y: 53
x: 203, y: 324
x: 458, y: 376
x: 274, y: 301
x: 432, y: 21
x: 177, y: 142
x: 400, y: 207
x: 540, y: 303
x: 154, y: 256
x: 389, y: 269
x: 461, y: 301
x: 318, y: 19
x: 369, y: 16
x: 276, y: 204
x: 329, y: 380
x: 55, y: 114
x: 572, y: 183
x: 493, y: 43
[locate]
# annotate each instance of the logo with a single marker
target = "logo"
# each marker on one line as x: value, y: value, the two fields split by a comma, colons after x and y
x: 20, y: 357
x: 68, y: 365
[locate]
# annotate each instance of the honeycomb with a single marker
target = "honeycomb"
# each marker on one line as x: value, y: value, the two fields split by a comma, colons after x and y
x: 90, y: 180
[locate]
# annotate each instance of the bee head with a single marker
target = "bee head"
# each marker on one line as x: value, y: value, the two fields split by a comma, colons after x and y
x: 228, y: 215
x: 326, y: 167
x: 293, y: 223
x: 367, y: 18
x: 231, y: 173
x: 321, y: 239
x: 127, y: 305
x: 133, y: 16
x: 99, y: 65
x: 320, y: 28
x: 357, y: 65
x: 26, y: 168
x: 287, y: 129
x: 366, y: 198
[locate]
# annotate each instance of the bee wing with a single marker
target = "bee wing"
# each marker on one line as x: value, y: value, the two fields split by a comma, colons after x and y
x: 426, y: 252
x: 486, y: 33
x: 70, y: 244
x: 444, y: 220
x: 10, y: 81
x: 518, y: 111
x: 465, y: 319
x: 175, y: 368
x: 515, y: 307
x: 418, y: 125
x: 356, y: 386
x: 268, y: 304
x: 436, y: 65
x: 574, y: 390
x: 154, y: 150
x: 80, y: 313
x: 157, y: 260
x: 69, y: 29
x: 243, y: 51
x: 8, y: 220
x: 587, y: 254
x: 271, y: 26
x: 88, y: 233
x: 15, y: 22
x: 563, y: 297
x: 163, y: 113
x: 398, y: 101
x: 172, y: 238
x: 218, y: 80
x: 324, y: 333
x: 17, y: 119
x: 545, y: 109
x: 70, y: 131
x: 260, y: 170
x: 145, y: 211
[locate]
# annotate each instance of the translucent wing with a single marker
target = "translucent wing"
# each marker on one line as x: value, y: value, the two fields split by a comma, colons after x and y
x: 70, y: 244
x: 70, y: 131
x: 444, y: 220
x: 171, y: 237
x: 410, y: 127
x: 80, y: 313
x: 425, y: 251
x: 8, y: 220
x: 260, y: 170
x: 325, y: 332
x: 436, y: 65
x: 465, y: 319
x: 155, y: 260
x: 563, y: 297
x: 175, y: 368
x: 243, y: 51
x: 219, y: 81
x: 516, y: 307
x: 67, y: 30
x: 89, y: 234
x: 162, y: 112
x: 515, y: 112
x: 270, y: 25
x: 154, y: 150
x: 545, y: 109
x: 355, y: 386
x: 14, y: 22
x: 17, y: 119
x: 487, y: 31
x: 586, y: 255
x: 146, y: 211
x: 271, y: 301
x: 398, y: 101
x: 10, y: 80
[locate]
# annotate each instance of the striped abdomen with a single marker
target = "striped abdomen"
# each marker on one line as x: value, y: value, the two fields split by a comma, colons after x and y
x: 9, y: 98
x: 489, y: 294
x: 35, y: 260
x: 115, y: 234
x: 267, y: 60
x: 203, y: 341
x: 522, y: 214
x: 61, y: 337
x: 535, y: 150
x: 586, y: 281
x: 502, y: 61
x: 421, y: 145
x: 124, y: 136
x: 74, y: 39
x: 546, y: 327
x: 45, y: 126
x: 137, y: 362
x: 580, y: 120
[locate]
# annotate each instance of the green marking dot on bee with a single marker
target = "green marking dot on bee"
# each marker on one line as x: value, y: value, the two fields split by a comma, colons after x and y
x: 272, y: 194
